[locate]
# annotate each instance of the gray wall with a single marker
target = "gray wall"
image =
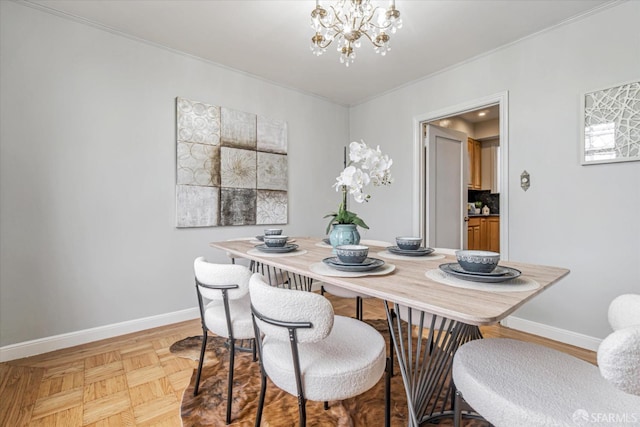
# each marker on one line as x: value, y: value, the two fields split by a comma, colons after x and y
x: 87, y: 172
x: 584, y: 218
x: 87, y: 160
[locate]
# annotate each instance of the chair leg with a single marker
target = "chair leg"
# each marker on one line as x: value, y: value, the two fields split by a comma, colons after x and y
x: 263, y: 390
x: 326, y: 405
x: 232, y: 358
x: 302, y: 408
x: 391, y: 356
x: 393, y: 315
x: 387, y: 393
x: 457, y: 409
x: 253, y: 349
x: 359, y: 308
x: 204, y: 345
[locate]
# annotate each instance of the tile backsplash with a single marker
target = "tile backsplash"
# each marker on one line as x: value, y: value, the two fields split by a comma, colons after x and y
x: 487, y: 198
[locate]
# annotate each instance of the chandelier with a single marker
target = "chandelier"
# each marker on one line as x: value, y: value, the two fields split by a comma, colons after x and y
x: 348, y: 21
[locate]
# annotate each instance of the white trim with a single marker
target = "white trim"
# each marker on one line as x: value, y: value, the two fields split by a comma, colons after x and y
x: 500, y: 98
x: 562, y: 335
x: 419, y: 215
x: 56, y: 342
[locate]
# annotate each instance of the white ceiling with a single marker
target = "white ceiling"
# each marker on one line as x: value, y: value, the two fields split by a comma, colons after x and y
x: 488, y: 113
x: 271, y: 38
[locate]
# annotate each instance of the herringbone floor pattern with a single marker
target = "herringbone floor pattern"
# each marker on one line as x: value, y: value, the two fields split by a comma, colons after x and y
x: 132, y: 380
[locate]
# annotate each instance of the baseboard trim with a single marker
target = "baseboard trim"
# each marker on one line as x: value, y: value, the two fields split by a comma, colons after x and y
x: 551, y: 332
x: 57, y: 342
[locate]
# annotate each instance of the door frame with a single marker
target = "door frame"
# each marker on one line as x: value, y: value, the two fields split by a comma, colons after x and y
x: 419, y: 162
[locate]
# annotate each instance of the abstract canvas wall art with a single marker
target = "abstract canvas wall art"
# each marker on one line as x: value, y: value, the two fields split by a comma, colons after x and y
x: 611, y: 128
x: 231, y: 167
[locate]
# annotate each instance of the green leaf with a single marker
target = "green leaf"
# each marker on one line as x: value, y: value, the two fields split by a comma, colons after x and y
x: 360, y: 222
x: 344, y: 217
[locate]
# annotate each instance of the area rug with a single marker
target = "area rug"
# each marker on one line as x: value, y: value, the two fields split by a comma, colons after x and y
x: 281, y: 408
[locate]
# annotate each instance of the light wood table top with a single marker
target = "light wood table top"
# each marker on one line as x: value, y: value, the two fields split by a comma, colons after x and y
x: 408, y: 285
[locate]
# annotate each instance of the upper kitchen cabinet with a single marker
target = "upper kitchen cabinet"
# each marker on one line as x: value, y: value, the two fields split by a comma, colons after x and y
x: 490, y: 165
x: 475, y: 164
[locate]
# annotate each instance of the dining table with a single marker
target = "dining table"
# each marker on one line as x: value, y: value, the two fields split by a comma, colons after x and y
x: 418, y: 296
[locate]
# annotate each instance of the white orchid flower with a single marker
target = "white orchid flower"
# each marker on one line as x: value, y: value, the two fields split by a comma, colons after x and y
x: 366, y: 166
x: 358, y: 151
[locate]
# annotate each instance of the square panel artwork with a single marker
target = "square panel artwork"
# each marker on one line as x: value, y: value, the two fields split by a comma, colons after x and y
x: 611, y: 131
x: 231, y: 167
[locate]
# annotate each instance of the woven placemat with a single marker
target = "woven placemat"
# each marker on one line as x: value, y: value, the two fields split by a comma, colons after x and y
x: 325, y: 270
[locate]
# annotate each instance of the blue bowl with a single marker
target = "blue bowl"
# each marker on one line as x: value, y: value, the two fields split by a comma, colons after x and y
x: 478, y: 261
x: 409, y: 243
x: 275, y: 241
x: 352, y: 254
x: 273, y: 231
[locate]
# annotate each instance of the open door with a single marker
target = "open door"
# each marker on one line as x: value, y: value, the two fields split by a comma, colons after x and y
x: 447, y: 166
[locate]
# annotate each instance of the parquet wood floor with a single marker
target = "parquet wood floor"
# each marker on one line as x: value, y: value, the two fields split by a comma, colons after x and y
x: 133, y: 380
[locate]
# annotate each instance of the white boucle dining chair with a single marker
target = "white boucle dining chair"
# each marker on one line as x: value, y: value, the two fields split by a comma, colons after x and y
x: 514, y: 383
x: 225, y: 310
x: 311, y: 353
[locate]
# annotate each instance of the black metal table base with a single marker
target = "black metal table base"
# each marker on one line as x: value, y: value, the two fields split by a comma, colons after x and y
x: 425, y: 359
x: 282, y: 278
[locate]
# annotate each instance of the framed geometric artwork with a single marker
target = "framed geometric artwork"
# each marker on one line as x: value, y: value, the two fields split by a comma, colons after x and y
x: 231, y: 167
x: 611, y: 124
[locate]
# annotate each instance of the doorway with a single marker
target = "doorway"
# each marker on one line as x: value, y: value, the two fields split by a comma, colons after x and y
x: 446, y: 195
x: 434, y: 216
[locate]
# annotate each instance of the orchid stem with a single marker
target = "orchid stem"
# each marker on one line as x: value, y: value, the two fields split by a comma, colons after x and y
x: 344, y: 197
x: 344, y: 187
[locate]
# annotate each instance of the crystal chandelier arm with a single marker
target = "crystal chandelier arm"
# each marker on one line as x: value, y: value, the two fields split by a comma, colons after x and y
x: 319, y: 43
x: 373, y: 41
x: 334, y: 26
x: 373, y: 23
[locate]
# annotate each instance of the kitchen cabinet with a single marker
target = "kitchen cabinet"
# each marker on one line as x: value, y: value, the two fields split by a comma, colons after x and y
x: 473, y: 233
x: 483, y: 233
x: 493, y: 233
x: 490, y: 176
x: 474, y: 149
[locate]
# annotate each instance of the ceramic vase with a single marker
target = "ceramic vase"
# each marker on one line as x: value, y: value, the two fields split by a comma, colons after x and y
x: 344, y: 234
